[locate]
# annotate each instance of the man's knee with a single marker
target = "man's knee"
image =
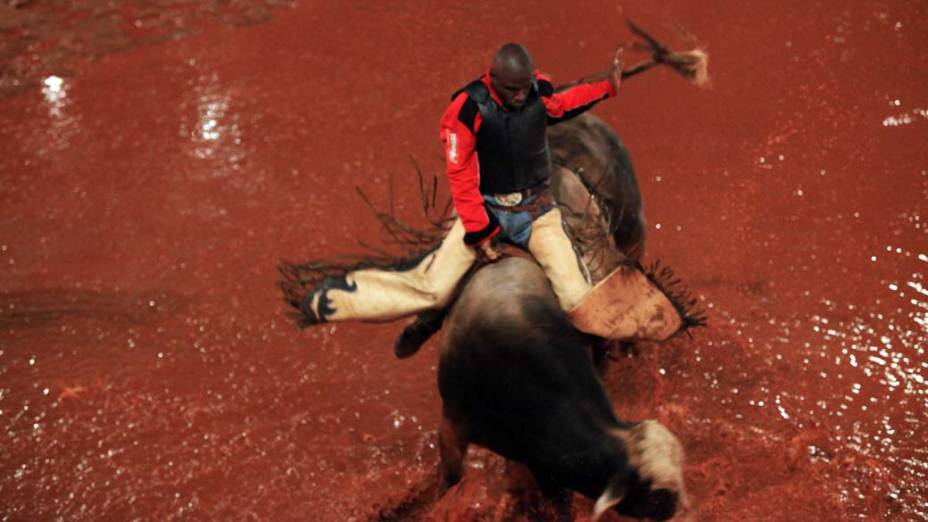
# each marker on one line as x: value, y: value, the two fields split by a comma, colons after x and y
x: 438, y: 291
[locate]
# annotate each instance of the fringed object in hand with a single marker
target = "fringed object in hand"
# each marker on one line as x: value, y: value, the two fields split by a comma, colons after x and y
x: 692, y: 65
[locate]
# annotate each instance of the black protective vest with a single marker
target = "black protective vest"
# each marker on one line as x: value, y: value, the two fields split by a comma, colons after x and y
x: 512, y: 146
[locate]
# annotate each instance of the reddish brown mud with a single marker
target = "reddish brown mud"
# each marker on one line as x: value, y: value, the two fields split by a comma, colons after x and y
x: 157, y: 159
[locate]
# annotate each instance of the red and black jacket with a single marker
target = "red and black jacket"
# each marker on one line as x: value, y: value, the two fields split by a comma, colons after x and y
x: 492, y: 150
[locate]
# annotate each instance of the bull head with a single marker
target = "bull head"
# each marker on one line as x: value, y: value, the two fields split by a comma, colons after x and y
x: 656, y: 457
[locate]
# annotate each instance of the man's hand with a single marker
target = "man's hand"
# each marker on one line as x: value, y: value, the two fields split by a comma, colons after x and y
x: 615, y: 72
x: 485, y: 250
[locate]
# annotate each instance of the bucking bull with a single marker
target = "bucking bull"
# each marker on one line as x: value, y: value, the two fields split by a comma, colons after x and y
x: 514, y: 375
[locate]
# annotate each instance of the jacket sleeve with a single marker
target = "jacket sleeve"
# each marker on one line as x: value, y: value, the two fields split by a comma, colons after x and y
x: 574, y: 101
x: 458, y: 131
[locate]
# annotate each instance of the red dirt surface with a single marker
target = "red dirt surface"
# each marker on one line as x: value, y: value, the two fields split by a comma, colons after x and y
x: 158, y: 158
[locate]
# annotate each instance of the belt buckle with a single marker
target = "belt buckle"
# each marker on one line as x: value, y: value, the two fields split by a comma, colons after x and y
x: 509, y: 200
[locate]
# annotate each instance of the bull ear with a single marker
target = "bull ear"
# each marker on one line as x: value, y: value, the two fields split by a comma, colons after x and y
x: 608, y: 500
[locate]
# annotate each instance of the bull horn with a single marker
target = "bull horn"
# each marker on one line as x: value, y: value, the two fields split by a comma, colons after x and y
x: 612, y: 495
x: 656, y: 454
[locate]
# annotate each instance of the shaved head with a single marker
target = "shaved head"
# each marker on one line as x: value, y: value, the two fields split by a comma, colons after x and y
x: 512, y: 59
x: 511, y: 74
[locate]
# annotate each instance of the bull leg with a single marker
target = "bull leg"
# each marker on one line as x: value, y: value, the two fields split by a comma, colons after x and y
x: 548, y: 503
x: 417, y: 502
x: 452, y: 446
x: 555, y: 505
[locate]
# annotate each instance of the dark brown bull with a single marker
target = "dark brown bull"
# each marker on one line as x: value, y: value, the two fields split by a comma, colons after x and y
x: 515, y: 377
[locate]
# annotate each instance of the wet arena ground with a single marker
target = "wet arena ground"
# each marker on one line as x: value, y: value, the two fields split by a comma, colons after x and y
x: 158, y: 157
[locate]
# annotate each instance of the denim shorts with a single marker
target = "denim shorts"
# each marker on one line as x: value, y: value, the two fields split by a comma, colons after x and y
x: 516, y: 226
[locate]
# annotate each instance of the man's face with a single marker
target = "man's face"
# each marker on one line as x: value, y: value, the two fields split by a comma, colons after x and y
x: 512, y: 87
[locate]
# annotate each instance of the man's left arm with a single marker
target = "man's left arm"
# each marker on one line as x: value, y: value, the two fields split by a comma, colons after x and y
x: 573, y: 101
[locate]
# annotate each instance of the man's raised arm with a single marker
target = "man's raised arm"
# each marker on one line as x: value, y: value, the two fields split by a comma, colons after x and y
x: 564, y: 103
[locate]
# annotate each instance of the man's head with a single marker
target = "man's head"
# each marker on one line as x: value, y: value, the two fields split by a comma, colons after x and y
x: 511, y: 74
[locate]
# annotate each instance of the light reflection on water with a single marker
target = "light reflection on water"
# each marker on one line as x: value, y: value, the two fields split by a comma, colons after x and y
x: 863, y: 359
x: 62, y: 126
x: 904, y: 118
x: 215, y: 135
x: 55, y: 95
x: 845, y: 368
x: 882, y: 355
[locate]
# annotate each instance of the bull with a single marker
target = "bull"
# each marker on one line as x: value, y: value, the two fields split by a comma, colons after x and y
x: 515, y: 377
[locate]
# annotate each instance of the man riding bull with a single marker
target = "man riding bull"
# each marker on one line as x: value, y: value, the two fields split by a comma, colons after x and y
x: 498, y: 165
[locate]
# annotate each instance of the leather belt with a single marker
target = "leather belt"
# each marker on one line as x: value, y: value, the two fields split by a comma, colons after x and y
x: 535, y: 206
x: 513, y: 199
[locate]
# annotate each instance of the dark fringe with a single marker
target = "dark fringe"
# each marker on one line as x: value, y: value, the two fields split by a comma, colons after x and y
x: 680, y: 296
x: 595, y: 237
x: 610, y: 210
x: 300, y: 278
x: 692, y: 65
x: 412, y: 244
